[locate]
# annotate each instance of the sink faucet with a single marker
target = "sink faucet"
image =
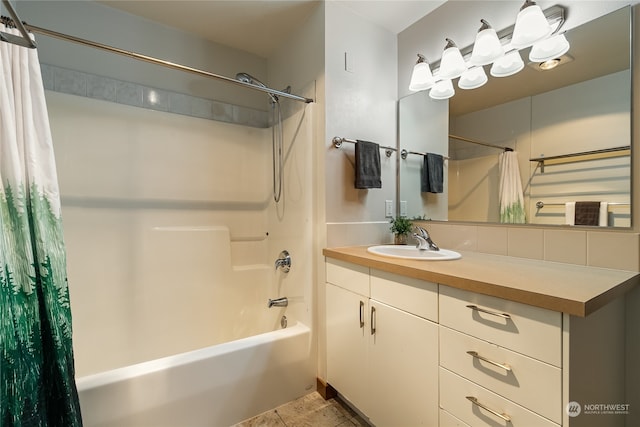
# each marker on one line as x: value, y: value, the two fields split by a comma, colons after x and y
x: 424, y: 240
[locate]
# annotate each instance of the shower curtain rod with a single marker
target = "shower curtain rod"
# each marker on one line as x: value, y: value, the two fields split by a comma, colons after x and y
x: 486, y: 144
x: 15, y: 21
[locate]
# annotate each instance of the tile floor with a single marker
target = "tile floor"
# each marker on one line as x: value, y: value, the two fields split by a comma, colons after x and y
x: 308, y: 411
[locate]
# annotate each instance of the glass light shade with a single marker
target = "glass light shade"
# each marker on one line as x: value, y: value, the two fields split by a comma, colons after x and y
x: 531, y: 26
x: 442, y: 90
x: 452, y: 64
x: 421, y: 78
x: 551, y: 48
x: 472, y: 78
x: 508, y: 65
x: 487, y: 47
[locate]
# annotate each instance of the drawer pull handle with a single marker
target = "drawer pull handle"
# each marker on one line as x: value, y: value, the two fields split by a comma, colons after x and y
x: 361, y: 314
x: 373, y: 320
x: 503, y: 416
x: 499, y: 365
x: 493, y: 313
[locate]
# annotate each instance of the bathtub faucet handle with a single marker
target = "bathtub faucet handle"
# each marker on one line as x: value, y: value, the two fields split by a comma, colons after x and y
x: 284, y: 262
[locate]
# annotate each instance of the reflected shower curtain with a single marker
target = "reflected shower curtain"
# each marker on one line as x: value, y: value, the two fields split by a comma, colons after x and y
x: 37, y: 385
x: 511, y: 198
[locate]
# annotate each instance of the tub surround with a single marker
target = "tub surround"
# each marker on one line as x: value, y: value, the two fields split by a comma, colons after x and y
x: 572, y: 289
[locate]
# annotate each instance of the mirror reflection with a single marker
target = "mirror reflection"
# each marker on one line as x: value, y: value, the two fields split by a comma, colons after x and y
x: 569, y: 127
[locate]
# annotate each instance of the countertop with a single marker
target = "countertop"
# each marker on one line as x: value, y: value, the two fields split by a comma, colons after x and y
x: 574, y: 289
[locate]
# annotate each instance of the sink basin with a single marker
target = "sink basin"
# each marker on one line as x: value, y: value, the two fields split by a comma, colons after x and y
x: 411, y: 252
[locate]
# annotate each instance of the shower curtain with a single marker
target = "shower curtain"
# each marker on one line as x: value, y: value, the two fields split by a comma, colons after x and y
x: 511, y: 198
x: 37, y: 385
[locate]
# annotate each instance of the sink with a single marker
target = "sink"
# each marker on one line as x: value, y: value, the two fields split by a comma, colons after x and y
x: 411, y: 252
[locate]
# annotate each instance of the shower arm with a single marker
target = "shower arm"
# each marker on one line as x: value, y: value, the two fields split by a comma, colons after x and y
x: 150, y: 59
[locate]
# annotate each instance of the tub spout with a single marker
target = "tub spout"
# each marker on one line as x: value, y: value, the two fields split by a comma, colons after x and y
x: 278, y: 302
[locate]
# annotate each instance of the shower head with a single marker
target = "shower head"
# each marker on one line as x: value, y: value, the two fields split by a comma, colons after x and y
x: 248, y: 78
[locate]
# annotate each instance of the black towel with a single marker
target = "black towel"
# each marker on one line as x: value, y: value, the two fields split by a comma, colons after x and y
x: 432, y: 174
x: 587, y: 213
x: 367, y: 165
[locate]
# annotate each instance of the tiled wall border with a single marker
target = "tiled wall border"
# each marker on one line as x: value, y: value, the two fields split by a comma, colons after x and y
x: 74, y: 82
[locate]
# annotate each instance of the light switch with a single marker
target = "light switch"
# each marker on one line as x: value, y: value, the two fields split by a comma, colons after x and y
x: 388, y: 208
x: 403, y: 208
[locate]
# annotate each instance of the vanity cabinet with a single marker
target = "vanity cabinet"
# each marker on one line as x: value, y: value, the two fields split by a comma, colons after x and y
x: 409, y: 352
x: 382, y: 340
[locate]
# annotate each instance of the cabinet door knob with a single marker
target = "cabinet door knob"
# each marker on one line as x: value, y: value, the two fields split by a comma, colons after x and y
x: 493, y: 313
x: 361, y: 314
x: 498, y: 364
x: 502, y: 416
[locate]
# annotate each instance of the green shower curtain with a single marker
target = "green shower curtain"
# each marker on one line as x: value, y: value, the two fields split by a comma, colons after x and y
x: 37, y: 384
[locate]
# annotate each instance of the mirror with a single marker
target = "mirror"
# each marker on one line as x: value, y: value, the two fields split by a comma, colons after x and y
x: 576, y: 117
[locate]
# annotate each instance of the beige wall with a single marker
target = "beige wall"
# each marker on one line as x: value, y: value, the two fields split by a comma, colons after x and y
x: 360, y: 104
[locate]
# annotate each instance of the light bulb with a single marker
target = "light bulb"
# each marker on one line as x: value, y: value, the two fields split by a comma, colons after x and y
x: 421, y: 77
x: 442, y: 90
x: 452, y: 64
x: 551, y: 48
x: 487, y: 47
x: 473, y: 78
x: 531, y: 26
x: 508, y: 65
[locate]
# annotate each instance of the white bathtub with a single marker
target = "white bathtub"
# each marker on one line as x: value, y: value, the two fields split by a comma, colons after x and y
x: 215, y: 386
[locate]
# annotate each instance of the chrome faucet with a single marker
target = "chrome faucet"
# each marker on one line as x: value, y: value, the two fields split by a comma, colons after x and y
x: 278, y: 302
x: 424, y: 240
x: 283, y: 262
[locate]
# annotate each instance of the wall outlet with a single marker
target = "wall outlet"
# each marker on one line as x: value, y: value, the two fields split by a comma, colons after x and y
x: 388, y: 208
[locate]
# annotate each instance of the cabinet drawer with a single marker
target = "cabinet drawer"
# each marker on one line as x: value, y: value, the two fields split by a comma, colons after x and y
x: 352, y: 277
x: 533, y: 331
x: 526, y: 381
x: 455, y: 392
x: 448, y: 420
x: 411, y: 295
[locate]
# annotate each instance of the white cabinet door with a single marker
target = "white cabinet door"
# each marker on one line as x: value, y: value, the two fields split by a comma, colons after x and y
x: 347, y: 336
x: 403, y: 368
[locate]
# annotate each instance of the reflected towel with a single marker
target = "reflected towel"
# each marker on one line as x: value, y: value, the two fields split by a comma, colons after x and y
x: 587, y: 213
x: 511, y: 197
x: 432, y: 177
x: 570, y: 213
x: 368, y: 168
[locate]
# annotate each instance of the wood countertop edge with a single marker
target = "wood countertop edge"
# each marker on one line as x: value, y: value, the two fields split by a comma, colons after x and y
x: 537, y: 299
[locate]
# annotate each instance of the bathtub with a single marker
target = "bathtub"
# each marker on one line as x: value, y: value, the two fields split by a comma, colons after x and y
x: 216, y: 386
x: 186, y: 338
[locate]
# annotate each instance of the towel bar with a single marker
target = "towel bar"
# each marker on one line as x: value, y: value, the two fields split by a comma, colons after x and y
x: 405, y: 153
x: 540, y: 204
x: 337, y: 142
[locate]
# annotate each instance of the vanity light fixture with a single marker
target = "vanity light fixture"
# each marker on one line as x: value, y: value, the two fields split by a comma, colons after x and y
x: 442, y: 90
x: 421, y: 78
x: 508, y: 65
x: 531, y: 26
x: 473, y: 78
x: 452, y: 64
x: 548, y: 49
x: 487, y: 47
